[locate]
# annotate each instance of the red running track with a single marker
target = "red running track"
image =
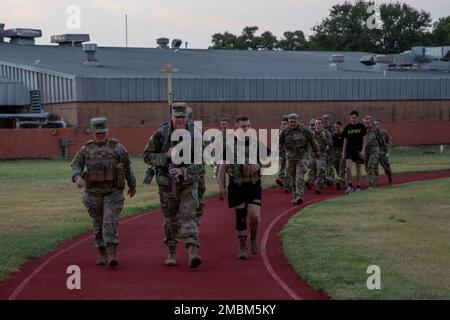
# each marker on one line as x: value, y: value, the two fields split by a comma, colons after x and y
x: 142, y: 274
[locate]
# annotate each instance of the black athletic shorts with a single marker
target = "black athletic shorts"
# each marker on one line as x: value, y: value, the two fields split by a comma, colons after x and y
x: 248, y: 192
x: 353, y: 154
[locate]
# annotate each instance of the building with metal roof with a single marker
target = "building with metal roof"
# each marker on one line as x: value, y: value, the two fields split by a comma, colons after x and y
x: 133, y: 74
x: 127, y: 86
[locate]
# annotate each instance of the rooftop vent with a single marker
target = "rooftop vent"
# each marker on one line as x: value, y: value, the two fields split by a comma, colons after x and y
x: 368, y: 60
x: 176, y: 43
x: 22, y: 36
x: 382, y: 62
x: 2, y: 29
x: 337, y: 62
x: 70, y: 40
x: 90, y: 49
x: 162, y: 43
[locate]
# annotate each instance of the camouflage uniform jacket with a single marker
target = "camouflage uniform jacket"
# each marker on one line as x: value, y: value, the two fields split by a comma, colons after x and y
x: 387, y: 140
x: 109, y: 163
x: 373, y: 141
x: 323, y: 140
x: 155, y: 154
x: 296, y: 141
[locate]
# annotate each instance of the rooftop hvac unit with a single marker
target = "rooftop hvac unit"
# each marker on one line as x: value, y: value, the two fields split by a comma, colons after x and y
x: 162, y: 43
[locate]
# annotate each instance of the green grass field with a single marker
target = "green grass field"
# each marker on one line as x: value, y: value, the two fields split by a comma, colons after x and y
x: 404, y: 229
x: 40, y: 207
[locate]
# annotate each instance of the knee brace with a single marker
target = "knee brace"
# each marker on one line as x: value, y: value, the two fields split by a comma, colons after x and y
x: 241, y: 219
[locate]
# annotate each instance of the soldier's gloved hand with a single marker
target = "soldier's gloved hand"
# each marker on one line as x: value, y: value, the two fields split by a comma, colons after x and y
x: 176, y: 172
x: 131, y: 192
x: 80, y: 183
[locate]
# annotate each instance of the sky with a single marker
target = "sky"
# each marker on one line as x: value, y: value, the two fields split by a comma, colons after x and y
x: 193, y: 21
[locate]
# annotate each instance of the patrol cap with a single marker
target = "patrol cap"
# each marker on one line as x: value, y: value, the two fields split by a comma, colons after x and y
x: 312, y: 122
x: 179, y: 109
x: 285, y: 118
x: 99, y: 125
x: 327, y: 117
x: 293, y: 117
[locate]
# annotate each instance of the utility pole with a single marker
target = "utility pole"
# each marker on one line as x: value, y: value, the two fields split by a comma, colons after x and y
x: 126, y: 30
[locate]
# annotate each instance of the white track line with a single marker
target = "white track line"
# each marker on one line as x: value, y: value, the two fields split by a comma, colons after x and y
x: 23, y: 284
x: 265, y: 239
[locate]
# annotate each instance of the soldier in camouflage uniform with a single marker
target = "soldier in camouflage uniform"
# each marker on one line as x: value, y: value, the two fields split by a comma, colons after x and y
x: 224, y: 124
x: 107, y: 167
x: 324, y: 142
x: 384, y: 152
x: 295, y: 140
x: 372, y: 154
x: 201, y: 178
x: 282, y: 180
x: 178, y: 188
x: 244, y: 187
x: 312, y: 172
x: 338, y: 162
x: 327, y: 121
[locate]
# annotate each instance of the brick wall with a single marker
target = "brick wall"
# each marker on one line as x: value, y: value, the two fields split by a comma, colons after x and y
x: 146, y: 114
x: 42, y: 143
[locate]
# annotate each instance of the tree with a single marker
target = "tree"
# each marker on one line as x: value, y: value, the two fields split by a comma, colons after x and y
x: 293, y: 41
x: 441, y: 32
x: 248, y: 40
x: 224, y: 40
x: 267, y: 41
x: 347, y: 28
x: 404, y: 27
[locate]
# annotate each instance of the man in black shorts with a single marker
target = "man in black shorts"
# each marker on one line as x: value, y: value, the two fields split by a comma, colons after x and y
x: 244, y: 187
x: 353, y: 150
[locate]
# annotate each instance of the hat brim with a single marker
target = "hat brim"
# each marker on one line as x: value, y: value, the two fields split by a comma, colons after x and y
x: 101, y: 130
x: 179, y: 114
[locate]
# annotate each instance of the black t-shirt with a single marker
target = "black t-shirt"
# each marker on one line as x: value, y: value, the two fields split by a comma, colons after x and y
x: 338, y: 140
x: 354, y: 133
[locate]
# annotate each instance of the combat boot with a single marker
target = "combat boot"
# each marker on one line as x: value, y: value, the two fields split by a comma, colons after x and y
x: 102, y: 259
x: 297, y: 201
x: 171, y: 260
x: 389, y: 175
x: 111, y: 253
x: 243, y: 248
x: 194, y: 258
x: 254, y: 245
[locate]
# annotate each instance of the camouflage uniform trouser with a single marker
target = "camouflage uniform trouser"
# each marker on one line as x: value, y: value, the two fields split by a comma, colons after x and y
x: 282, y: 174
x: 384, y: 161
x: 371, y: 163
x: 296, y: 173
x: 201, y: 203
x: 104, y: 210
x: 321, y: 172
x: 312, y: 173
x: 329, y: 166
x: 339, y: 165
x: 179, y: 210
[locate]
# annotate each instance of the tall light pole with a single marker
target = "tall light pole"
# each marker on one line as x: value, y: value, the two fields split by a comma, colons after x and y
x: 126, y: 30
